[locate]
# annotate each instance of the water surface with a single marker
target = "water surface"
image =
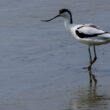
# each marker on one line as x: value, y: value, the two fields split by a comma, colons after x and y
x: 41, y: 64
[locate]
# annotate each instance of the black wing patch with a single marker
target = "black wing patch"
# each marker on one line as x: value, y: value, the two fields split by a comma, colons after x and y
x: 83, y: 35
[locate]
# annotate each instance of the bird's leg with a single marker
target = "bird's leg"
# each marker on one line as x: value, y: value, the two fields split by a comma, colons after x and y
x: 95, y: 58
x: 90, y: 58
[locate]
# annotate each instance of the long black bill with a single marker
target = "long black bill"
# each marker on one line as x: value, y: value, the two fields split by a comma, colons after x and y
x: 50, y: 19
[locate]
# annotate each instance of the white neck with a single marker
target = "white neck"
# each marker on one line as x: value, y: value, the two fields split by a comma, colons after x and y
x: 67, y: 22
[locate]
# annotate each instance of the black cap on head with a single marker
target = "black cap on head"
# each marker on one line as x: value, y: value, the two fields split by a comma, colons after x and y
x: 66, y: 10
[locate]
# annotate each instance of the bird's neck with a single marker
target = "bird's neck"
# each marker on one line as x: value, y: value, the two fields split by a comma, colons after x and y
x: 68, y: 21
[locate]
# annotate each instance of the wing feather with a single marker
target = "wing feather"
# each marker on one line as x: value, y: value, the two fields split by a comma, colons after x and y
x: 89, y: 30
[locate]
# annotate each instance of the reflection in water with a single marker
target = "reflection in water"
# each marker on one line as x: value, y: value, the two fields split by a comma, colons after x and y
x: 92, y: 77
x: 90, y: 98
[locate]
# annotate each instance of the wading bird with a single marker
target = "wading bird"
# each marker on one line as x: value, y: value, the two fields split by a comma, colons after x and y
x: 88, y: 34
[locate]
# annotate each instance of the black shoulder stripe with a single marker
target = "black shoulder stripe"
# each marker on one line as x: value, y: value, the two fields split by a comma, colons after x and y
x: 80, y: 27
x: 83, y: 35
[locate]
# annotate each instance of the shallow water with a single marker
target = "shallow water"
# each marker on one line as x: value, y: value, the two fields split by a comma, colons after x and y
x: 41, y: 64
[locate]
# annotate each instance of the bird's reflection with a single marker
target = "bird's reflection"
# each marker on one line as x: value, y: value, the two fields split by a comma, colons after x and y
x: 92, y: 78
x: 90, y: 98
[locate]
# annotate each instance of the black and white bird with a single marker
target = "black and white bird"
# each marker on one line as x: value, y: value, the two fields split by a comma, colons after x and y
x: 88, y: 34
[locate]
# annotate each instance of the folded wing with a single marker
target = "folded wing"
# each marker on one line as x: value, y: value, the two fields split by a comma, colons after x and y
x: 89, y: 30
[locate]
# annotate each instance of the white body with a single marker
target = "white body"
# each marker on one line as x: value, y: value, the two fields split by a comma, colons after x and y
x: 87, y: 29
x: 98, y: 40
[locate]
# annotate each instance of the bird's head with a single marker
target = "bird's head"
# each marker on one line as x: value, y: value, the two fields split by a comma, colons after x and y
x: 62, y: 13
